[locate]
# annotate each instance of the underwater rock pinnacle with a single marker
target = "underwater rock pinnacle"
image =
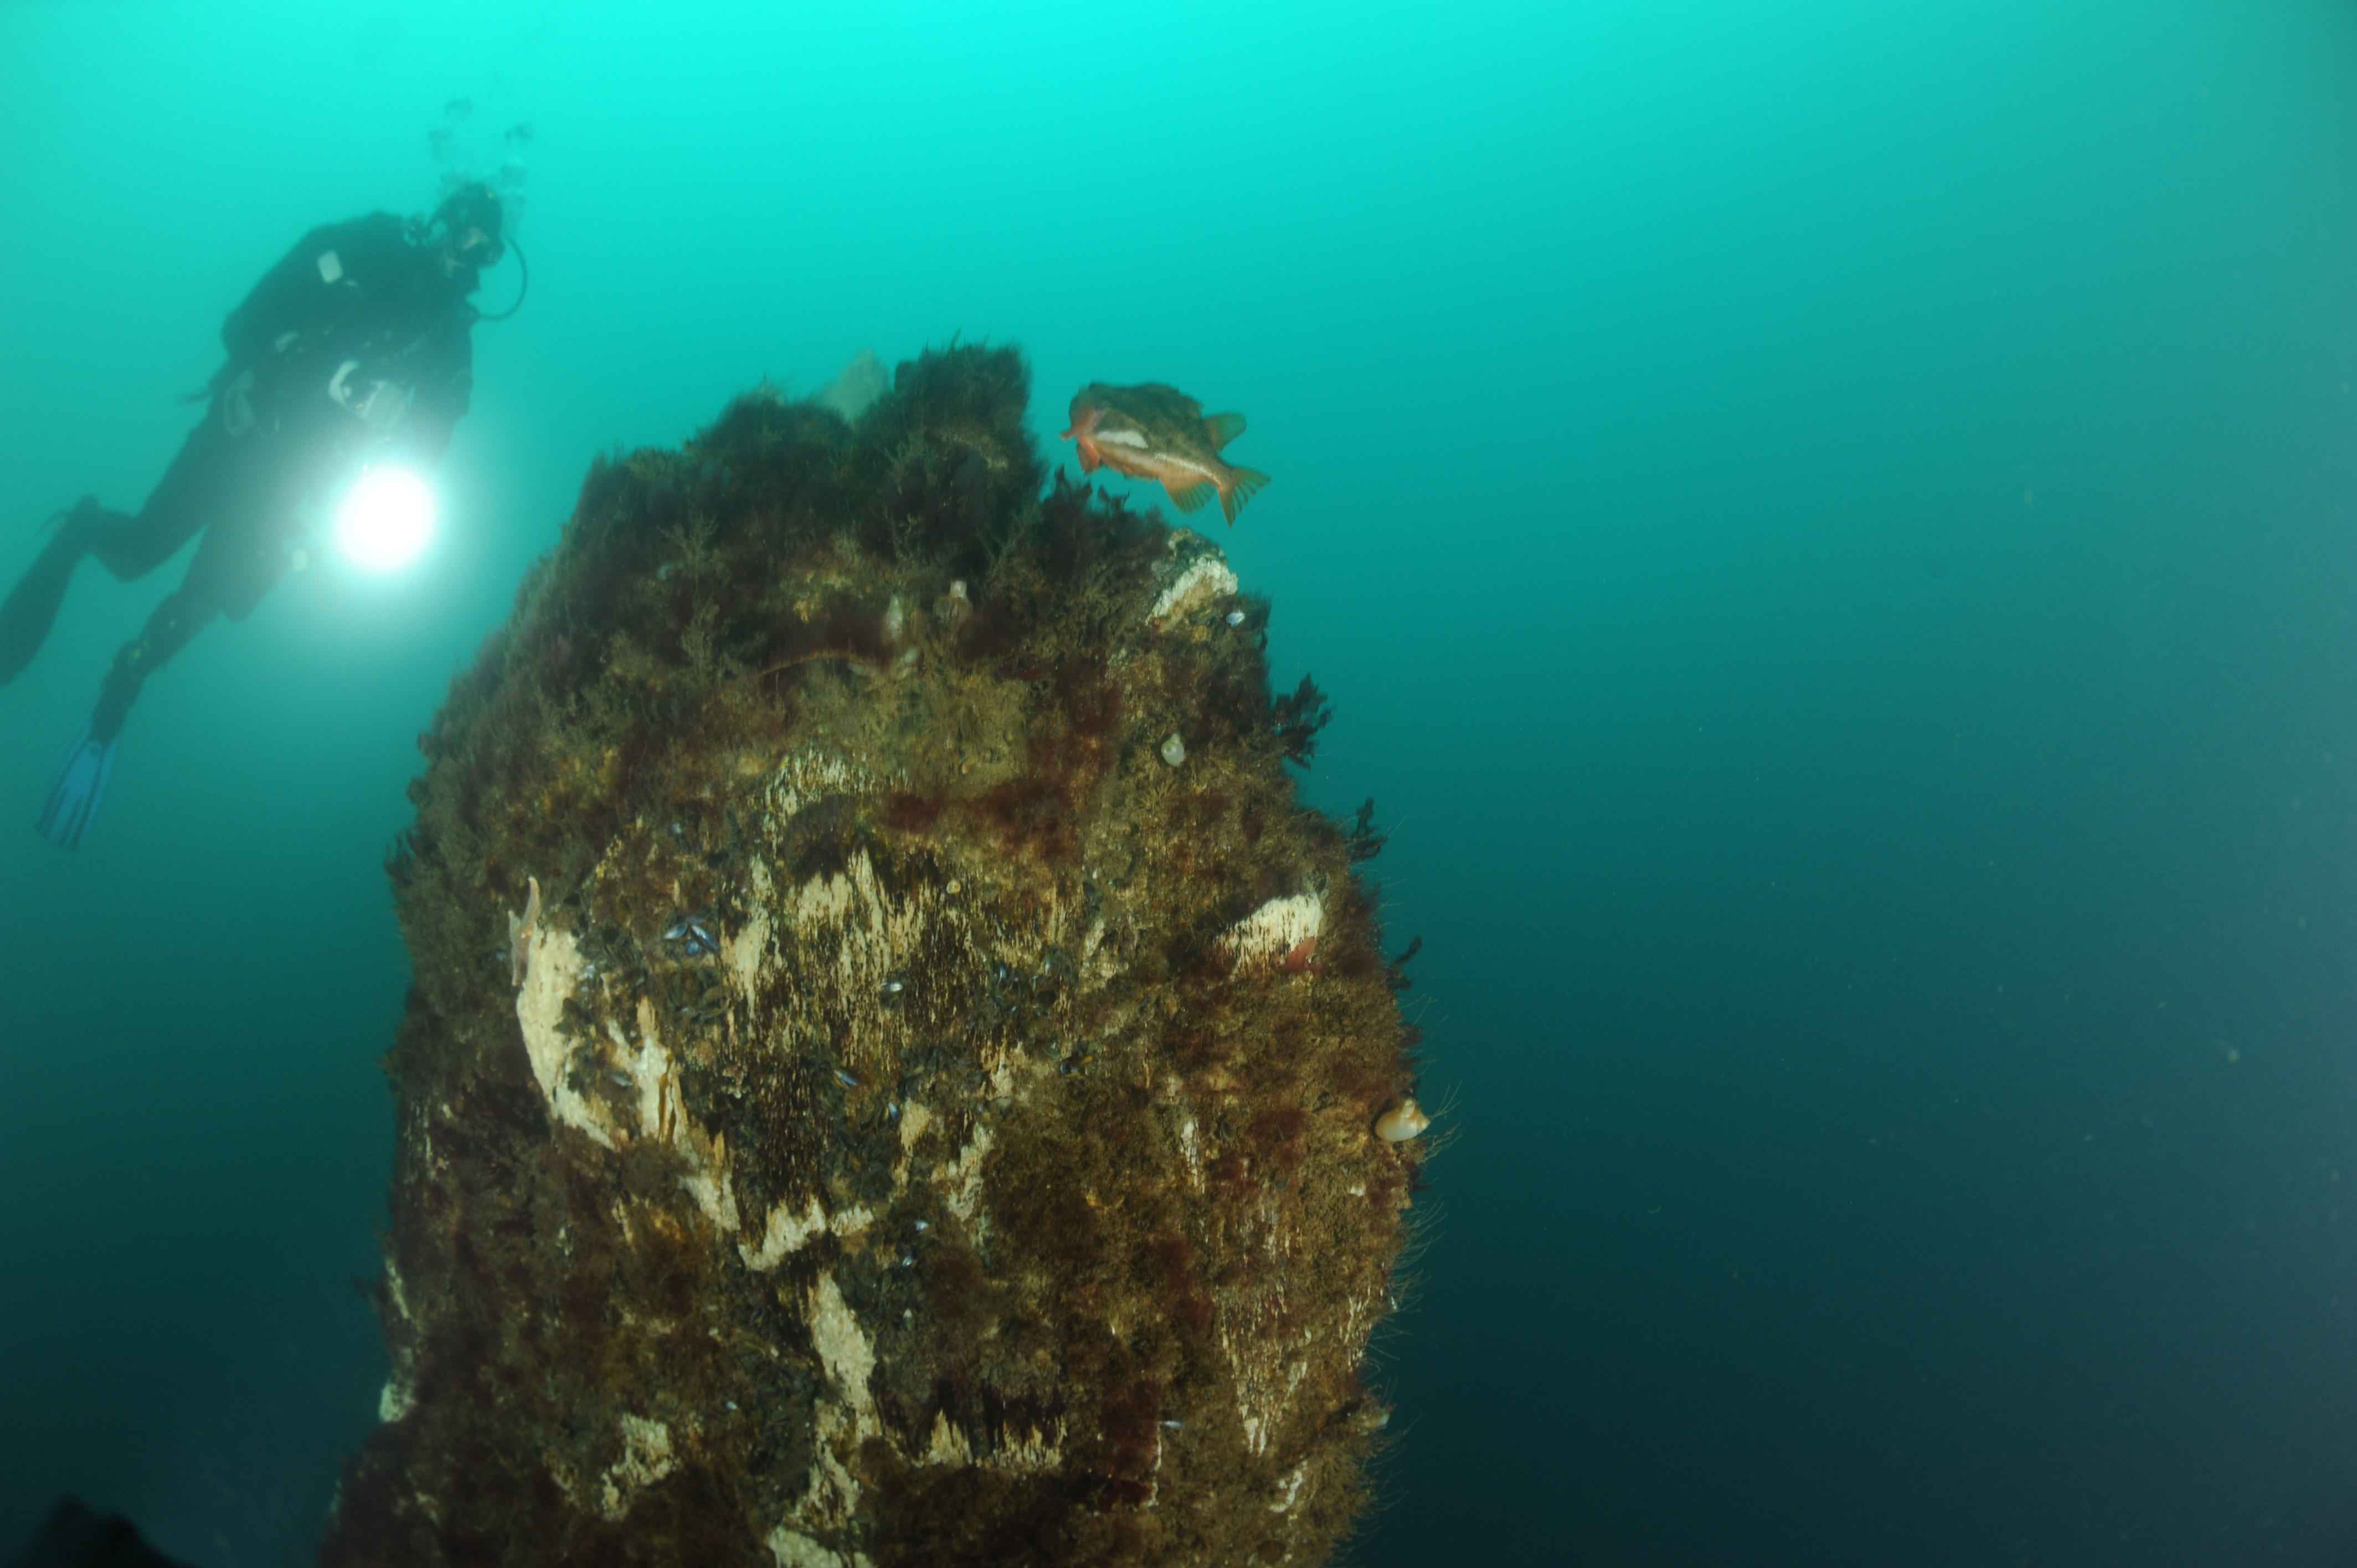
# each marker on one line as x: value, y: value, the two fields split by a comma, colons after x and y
x: 914, y: 1121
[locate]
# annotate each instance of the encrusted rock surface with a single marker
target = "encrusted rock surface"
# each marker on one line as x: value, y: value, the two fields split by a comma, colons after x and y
x: 917, y: 1124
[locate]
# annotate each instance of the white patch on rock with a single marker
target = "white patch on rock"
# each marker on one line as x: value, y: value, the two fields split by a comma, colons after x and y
x: 963, y: 1178
x: 646, y: 1459
x: 914, y: 1119
x: 711, y: 1191
x: 1267, y: 1374
x: 1029, y: 1452
x: 811, y: 774
x: 822, y: 899
x: 1276, y: 928
x: 657, y: 1079
x: 399, y: 1398
x: 555, y: 968
x: 849, y: 1419
x: 647, y: 1070
x: 1206, y: 580
x: 744, y: 951
x: 843, y: 1348
x: 792, y: 1549
x: 786, y: 1231
x: 876, y: 931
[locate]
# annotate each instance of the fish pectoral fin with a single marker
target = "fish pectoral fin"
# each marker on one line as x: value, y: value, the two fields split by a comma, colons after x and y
x: 1241, y: 486
x: 1089, y: 459
x: 1187, y: 498
x: 1224, y: 428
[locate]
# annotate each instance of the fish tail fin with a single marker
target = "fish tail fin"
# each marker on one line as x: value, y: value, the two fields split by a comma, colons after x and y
x: 1241, y: 486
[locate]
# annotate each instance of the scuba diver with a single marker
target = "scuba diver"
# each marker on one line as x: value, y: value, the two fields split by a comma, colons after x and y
x: 356, y: 347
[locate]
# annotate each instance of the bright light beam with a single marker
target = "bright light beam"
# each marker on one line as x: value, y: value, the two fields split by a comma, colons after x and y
x: 386, y: 520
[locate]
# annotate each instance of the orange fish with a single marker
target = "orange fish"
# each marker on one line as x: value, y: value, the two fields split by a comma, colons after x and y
x: 1154, y: 432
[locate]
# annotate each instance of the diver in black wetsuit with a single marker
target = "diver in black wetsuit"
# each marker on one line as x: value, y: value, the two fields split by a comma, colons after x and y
x: 357, y: 345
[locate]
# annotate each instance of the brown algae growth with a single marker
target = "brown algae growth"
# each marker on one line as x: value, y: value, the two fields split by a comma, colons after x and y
x: 893, y: 1073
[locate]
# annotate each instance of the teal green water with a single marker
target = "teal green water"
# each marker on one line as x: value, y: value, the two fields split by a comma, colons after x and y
x: 1827, y: 529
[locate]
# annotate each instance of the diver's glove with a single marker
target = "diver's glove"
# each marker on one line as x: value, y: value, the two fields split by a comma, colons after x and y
x: 74, y: 798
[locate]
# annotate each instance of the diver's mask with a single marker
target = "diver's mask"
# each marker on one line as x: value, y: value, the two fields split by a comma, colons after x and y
x: 465, y: 229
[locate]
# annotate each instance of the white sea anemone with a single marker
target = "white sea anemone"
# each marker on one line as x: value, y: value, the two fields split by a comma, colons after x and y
x: 1404, y: 1121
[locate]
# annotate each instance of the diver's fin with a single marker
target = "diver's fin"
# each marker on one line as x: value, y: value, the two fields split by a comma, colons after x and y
x: 81, y: 786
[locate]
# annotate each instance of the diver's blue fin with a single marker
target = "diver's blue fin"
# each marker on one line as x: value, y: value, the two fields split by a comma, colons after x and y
x: 74, y: 798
